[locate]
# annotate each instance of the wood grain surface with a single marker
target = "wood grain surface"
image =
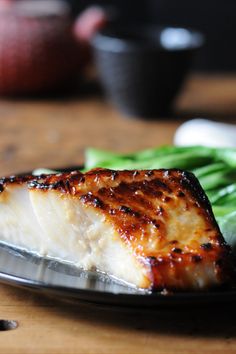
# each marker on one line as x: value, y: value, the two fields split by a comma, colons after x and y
x: 55, y: 132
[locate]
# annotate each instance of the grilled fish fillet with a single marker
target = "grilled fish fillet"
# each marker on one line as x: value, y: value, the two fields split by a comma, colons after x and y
x: 152, y: 229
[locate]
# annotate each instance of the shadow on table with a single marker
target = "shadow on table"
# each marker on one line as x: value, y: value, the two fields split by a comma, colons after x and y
x: 84, y: 89
x: 203, y: 323
x: 216, y: 321
x: 227, y: 116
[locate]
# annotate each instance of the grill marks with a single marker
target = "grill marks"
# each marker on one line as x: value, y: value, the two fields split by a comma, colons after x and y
x: 133, y: 210
x: 137, y: 204
x: 135, y: 201
x: 128, y: 205
x: 132, y: 213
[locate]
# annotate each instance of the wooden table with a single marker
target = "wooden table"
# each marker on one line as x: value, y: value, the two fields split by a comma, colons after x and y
x: 55, y: 133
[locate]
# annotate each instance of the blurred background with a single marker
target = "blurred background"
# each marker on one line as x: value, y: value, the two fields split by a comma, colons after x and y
x: 215, y: 18
x: 48, y: 47
x: 73, y: 71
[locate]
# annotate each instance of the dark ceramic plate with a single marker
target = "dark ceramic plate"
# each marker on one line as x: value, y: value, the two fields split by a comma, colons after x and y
x: 18, y: 267
x: 52, y: 277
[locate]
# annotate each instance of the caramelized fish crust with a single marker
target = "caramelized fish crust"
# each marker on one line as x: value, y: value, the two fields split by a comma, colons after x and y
x: 163, y: 216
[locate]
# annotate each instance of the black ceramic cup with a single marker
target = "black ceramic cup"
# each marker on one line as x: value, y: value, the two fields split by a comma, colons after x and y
x: 142, y: 68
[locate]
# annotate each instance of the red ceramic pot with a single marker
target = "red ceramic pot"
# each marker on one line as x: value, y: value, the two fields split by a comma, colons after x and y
x: 38, y: 52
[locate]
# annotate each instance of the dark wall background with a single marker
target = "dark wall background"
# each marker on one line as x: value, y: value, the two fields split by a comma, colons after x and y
x: 215, y: 18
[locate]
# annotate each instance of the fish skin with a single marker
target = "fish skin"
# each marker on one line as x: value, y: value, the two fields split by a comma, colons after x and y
x: 161, y: 220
